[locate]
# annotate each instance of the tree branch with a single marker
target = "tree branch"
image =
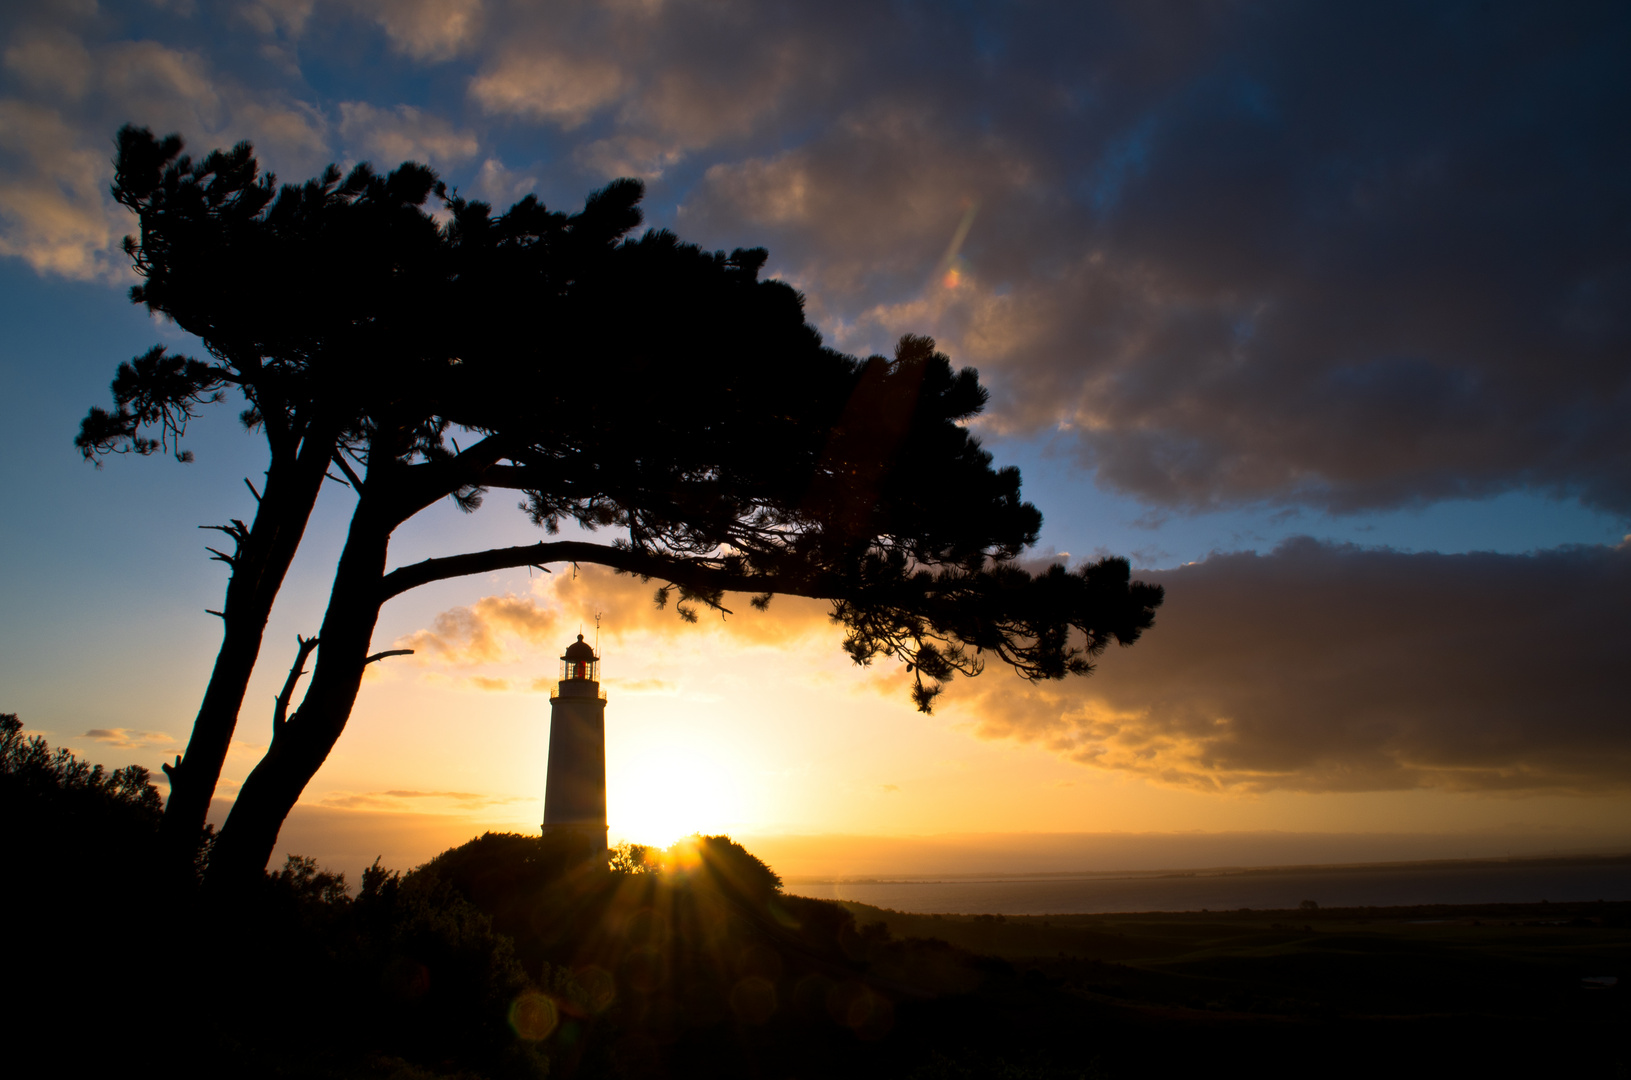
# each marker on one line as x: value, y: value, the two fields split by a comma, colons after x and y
x: 687, y: 572
x: 351, y: 474
x: 280, y: 712
x: 515, y: 477
x: 430, y: 481
x: 237, y: 530
x: 387, y: 652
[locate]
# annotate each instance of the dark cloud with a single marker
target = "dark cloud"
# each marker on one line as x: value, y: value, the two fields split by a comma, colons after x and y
x: 1343, y: 255
x: 1337, y: 668
x: 1353, y: 257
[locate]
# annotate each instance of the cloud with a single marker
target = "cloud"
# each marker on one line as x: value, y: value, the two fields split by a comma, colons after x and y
x: 920, y: 177
x: 270, y: 17
x: 458, y: 801
x: 475, y: 634
x: 288, y: 131
x: 130, y: 739
x: 626, y: 606
x: 645, y: 686
x: 51, y: 61
x: 496, y: 629
x: 558, y: 88
x: 500, y: 186
x: 72, y: 93
x: 706, y: 99
x: 158, y: 85
x: 629, y: 155
x: 670, y: 78
x: 429, y: 29
x: 392, y: 136
x: 426, y: 30
x: 1335, y: 668
x: 54, y: 212
x: 1242, y: 261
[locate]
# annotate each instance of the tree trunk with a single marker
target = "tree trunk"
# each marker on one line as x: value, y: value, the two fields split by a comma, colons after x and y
x: 258, y: 569
x: 302, y: 742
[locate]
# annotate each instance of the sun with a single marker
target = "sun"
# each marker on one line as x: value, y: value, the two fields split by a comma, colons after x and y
x: 665, y: 792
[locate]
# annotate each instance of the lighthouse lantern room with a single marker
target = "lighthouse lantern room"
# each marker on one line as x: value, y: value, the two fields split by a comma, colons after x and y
x: 580, y: 663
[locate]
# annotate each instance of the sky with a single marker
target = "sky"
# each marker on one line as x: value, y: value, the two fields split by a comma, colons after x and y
x: 1317, y: 313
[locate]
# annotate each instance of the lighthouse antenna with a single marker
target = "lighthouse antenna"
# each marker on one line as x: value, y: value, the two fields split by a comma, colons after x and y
x: 597, y: 633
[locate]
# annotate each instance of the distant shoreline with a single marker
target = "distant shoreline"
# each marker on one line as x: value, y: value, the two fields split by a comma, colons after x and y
x: 1564, y: 876
x: 1578, y: 858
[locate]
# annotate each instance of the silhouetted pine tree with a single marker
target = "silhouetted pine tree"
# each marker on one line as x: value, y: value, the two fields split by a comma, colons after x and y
x: 642, y: 384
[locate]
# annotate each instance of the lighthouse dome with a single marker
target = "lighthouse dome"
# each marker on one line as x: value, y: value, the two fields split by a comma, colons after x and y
x: 579, y: 650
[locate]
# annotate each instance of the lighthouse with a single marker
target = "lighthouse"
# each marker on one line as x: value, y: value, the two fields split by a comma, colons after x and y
x: 575, y: 785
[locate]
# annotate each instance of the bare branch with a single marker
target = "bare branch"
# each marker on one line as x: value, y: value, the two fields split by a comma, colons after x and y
x: 239, y: 533
x: 387, y: 652
x: 345, y: 467
x: 280, y: 711
x: 252, y: 490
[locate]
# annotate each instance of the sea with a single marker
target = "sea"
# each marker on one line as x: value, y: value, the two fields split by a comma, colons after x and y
x: 1516, y: 881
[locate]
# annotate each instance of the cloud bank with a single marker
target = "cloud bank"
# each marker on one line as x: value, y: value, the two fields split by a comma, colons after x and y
x: 1323, y: 668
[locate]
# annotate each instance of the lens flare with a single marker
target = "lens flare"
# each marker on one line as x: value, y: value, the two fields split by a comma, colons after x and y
x: 598, y: 987
x: 533, y: 1016
x: 953, y: 267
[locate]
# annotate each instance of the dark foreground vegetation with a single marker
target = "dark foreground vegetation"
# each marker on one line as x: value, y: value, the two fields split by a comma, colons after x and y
x: 505, y: 958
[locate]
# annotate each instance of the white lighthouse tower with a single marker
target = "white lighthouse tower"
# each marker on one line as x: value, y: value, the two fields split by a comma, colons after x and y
x: 575, y: 786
